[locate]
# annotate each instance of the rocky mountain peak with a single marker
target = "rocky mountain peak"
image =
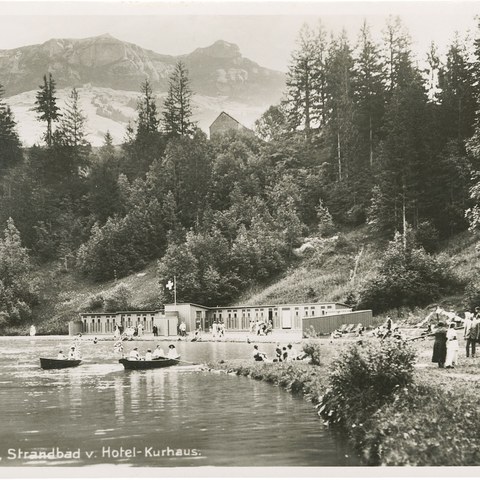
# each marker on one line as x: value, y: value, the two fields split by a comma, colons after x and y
x: 220, y: 49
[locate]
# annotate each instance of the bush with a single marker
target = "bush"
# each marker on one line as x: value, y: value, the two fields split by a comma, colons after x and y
x: 95, y: 303
x: 364, y: 378
x: 310, y: 332
x: 406, y: 278
x: 312, y: 349
x: 471, y: 298
x: 414, y: 430
x: 427, y: 236
x: 118, y: 299
x: 326, y: 227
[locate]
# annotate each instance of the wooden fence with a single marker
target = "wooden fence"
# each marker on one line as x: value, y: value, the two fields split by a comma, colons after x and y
x: 328, y: 323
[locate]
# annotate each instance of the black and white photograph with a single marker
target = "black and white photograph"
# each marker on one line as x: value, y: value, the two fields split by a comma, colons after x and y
x: 239, y: 238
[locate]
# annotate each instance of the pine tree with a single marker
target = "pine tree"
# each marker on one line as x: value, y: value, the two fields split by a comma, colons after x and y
x: 46, y: 106
x: 178, y: 111
x: 71, y: 132
x: 369, y: 91
x: 10, y: 147
x: 432, y: 74
x: 341, y: 106
x: 397, y: 53
x: 405, y: 160
x: 107, y: 150
x: 147, y: 121
x: 457, y: 95
x: 306, y: 82
x: 143, y: 144
x: 103, y: 196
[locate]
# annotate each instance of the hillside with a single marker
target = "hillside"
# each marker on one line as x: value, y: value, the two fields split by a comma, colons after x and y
x: 323, y: 272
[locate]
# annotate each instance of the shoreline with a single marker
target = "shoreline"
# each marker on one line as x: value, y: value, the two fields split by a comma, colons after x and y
x: 230, y: 337
x: 432, y: 422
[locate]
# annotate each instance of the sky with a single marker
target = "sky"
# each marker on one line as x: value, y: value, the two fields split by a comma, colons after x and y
x: 265, y: 31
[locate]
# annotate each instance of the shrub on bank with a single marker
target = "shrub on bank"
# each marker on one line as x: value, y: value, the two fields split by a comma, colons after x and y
x: 312, y: 349
x: 406, y: 277
x: 363, y: 379
x: 427, y: 425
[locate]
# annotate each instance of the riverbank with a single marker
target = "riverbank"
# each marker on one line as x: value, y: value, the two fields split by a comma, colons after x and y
x: 431, y: 422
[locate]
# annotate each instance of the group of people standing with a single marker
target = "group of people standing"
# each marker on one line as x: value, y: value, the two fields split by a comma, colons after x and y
x: 446, y: 346
x: 218, y: 329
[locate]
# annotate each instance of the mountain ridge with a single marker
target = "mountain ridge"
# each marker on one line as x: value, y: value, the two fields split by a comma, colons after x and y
x: 106, y: 61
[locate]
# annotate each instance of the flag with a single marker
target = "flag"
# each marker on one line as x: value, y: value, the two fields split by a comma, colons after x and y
x: 169, y: 285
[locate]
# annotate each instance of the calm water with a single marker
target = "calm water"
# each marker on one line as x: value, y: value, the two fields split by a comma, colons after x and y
x: 171, y: 417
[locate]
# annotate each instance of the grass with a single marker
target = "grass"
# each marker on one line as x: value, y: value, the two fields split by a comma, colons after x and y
x: 322, y: 273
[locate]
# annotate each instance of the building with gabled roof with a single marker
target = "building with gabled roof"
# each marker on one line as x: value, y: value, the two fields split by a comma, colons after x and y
x: 225, y: 122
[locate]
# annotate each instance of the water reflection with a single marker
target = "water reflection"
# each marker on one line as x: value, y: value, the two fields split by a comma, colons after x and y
x: 98, y: 407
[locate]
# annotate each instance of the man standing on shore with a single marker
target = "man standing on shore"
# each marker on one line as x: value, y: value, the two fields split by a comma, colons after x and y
x: 470, y: 332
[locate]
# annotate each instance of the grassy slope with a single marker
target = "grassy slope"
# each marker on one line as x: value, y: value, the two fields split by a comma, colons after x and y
x: 321, y: 274
x: 65, y: 294
x: 324, y: 272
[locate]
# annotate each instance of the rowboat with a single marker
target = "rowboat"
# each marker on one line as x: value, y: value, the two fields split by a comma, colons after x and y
x: 148, y: 364
x: 55, y: 363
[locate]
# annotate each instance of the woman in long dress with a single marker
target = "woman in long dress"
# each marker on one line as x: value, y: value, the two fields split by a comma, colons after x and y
x: 440, y: 345
x: 452, y: 347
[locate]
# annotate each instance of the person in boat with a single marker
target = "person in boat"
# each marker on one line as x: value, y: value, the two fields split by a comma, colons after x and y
x: 258, y: 356
x: 148, y: 356
x: 61, y: 355
x: 95, y: 340
x: 134, y: 355
x: 172, y: 352
x: 158, y: 353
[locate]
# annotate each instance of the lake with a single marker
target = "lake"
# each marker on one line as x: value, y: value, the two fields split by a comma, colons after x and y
x: 98, y: 413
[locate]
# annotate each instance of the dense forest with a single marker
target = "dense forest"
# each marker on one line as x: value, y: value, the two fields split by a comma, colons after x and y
x: 364, y: 136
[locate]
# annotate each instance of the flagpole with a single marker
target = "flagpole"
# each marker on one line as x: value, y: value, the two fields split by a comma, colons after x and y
x: 175, y: 290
